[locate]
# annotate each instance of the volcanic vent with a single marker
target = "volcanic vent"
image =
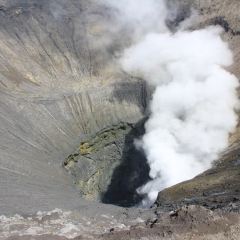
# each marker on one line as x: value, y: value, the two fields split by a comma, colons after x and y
x: 73, y: 93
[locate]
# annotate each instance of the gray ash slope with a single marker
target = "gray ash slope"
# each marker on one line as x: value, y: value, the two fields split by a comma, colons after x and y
x: 58, y: 84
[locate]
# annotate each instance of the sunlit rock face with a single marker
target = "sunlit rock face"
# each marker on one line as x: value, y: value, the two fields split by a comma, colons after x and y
x: 58, y: 84
x: 108, y: 168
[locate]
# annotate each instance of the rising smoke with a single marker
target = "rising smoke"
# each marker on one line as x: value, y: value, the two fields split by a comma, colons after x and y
x: 193, y: 106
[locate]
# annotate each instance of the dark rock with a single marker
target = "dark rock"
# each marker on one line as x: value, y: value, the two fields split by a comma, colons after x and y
x: 96, y: 159
x: 215, y: 189
x: 108, y: 167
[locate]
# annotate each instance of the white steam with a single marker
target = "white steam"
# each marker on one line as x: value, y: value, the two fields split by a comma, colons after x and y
x: 139, y: 16
x: 192, y: 108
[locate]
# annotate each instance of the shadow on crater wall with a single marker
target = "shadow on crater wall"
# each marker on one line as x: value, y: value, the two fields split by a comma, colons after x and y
x: 142, y: 92
x: 132, y: 173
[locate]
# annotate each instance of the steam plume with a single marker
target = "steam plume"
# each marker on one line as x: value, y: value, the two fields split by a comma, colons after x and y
x: 192, y: 108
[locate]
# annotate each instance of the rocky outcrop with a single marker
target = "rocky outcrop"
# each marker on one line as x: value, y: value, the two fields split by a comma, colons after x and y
x: 92, y: 165
x: 217, y: 188
x: 192, y: 222
x: 107, y: 167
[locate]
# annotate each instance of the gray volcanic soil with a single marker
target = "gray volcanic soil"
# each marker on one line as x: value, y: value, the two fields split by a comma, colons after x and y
x: 60, y: 86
